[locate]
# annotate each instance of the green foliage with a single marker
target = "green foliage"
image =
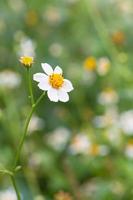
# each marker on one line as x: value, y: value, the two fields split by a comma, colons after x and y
x: 85, y: 145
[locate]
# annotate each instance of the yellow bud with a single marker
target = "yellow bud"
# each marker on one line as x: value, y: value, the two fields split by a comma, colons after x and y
x: 27, y: 61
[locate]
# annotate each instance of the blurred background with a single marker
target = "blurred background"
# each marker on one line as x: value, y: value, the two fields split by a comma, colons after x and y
x: 83, y: 149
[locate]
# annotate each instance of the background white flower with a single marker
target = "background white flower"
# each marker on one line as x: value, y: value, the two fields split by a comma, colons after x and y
x: 58, y: 138
x: 9, y: 79
x: 8, y: 194
x: 126, y: 122
x: 54, y: 83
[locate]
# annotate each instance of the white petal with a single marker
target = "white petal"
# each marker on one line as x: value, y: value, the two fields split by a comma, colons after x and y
x: 63, y: 96
x: 44, y: 84
x: 52, y: 94
x: 58, y: 70
x: 39, y: 77
x: 67, y: 85
x: 47, y: 68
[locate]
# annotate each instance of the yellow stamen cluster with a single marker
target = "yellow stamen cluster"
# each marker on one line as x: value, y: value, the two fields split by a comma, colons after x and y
x: 94, y: 149
x: 90, y: 63
x: 27, y: 61
x: 56, y: 80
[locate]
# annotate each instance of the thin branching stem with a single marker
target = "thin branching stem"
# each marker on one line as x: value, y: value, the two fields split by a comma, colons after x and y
x: 15, y: 187
x: 26, y: 129
x: 31, y: 96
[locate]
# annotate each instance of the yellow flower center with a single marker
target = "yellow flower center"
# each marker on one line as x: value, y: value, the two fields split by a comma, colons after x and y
x: 56, y: 80
x: 94, y: 150
x: 90, y: 63
x: 27, y: 61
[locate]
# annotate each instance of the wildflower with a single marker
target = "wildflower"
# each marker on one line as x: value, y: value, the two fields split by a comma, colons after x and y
x: 59, y: 138
x: 54, y: 83
x: 80, y: 144
x: 8, y: 194
x: 9, y: 79
x: 36, y: 123
x: 103, y: 66
x: 126, y: 122
x: 26, y: 45
x: 52, y: 15
x: 35, y: 160
x: 63, y: 196
x: 129, y: 149
x: 108, y: 96
x: 96, y: 149
x: 90, y: 63
x: 118, y: 38
x: 27, y: 61
x: 108, y: 119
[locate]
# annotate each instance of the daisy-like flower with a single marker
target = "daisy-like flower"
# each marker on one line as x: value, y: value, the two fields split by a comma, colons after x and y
x: 54, y: 83
x: 27, y: 61
x: 90, y: 63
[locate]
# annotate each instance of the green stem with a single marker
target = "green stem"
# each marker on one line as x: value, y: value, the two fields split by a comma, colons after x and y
x: 15, y: 187
x: 30, y: 86
x: 26, y: 129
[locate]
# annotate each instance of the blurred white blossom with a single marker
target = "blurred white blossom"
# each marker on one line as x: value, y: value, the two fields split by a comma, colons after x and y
x: 56, y: 49
x: 114, y: 135
x: 26, y: 47
x: 9, y: 79
x: 103, y: 66
x: 52, y: 15
x: 103, y: 150
x: 126, y: 122
x: 109, y: 118
x: 36, y: 123
x: 108, y: 96
x: 80, y: 144
x: 59, y: 138
x: 125, y: 6
x: 35, y: 160
x: 89, y: 78
x: 8, y: 194
x: 129, y: 150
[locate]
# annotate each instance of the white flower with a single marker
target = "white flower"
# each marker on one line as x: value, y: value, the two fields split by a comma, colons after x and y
x: 108, y: 96
x: 126, y: 122
x: 26, y: 47
x: 9, y: 79
x: 54, y: 83
x: 129, y: 150
x: 8, y: 194
x: 36, y: 123
x: 103, y: 66
x: 59, y: 138
x: 80, y: 144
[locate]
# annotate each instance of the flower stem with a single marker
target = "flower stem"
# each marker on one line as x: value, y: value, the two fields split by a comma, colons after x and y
x: 15, y: 187
x: 30, y: 86
x: 26, y: 129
